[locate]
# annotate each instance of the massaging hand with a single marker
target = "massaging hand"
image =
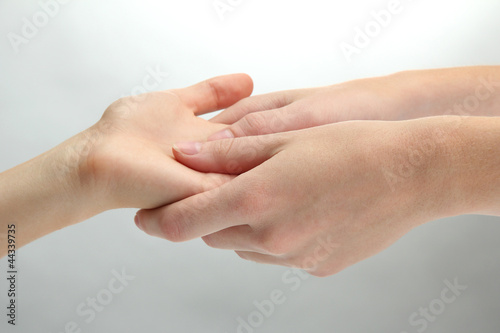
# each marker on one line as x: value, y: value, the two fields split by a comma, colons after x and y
x: 324, y: 198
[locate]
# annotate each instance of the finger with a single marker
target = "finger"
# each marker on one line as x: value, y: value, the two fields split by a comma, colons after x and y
x: 196, y: 216
x: 244, y: 238
x: 311, y: 267
x: 240, y: 238
x: 216, y: 93
x: 263, y: 258
x: 285, y: 119
x: 231, y: 156
x: 253, y: 104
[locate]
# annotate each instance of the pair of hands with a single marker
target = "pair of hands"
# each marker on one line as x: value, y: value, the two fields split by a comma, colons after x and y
x: 285, y: 178
x: 127, y: 160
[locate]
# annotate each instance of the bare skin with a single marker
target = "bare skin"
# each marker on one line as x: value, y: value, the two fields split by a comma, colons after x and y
x: 326, y: 197
x: 401, y: 96
x: 318, y: 191
x: 124, y: 160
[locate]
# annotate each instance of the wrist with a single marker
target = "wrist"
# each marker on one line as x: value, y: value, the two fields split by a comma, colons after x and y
x: 417, y: 163
x: 45, y: 194
x: 476, y: 149
x: 463, y: 91
x: 420, y: 93
x: 77, y: 167
x: 460, y: 158
x: 69, y: 171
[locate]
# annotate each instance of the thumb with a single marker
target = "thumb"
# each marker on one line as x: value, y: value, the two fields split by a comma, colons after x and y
x: 230, y: 156
x: 216, y: 93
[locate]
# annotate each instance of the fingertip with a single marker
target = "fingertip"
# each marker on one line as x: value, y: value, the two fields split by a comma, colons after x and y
x: 247, y: 84
x: 143, y: 220
x: 137, y: 221
x: 148, y: 223
x: 197, y: 162
x: 233, y: 88
x: 187, y: 148
x: 178, y: 155
x: 216, y: 93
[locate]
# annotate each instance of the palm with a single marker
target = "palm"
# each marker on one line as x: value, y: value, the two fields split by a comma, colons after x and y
x: 134, y: 160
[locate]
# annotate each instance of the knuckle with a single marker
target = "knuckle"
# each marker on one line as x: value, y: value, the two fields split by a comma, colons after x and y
x: 222, y: 148
x: 125, y: 100
x: 172, y: 231
x: 215, y: 90
x: 123, y: 105
x: 280, y: 121
x: 233, y: 167
x: 172, y: 226
x: 253, y: 124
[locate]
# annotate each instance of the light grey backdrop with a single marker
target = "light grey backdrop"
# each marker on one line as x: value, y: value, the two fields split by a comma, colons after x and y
x: 89, y: 53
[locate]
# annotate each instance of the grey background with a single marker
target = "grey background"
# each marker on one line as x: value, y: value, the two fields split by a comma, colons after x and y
x: 92, y: 52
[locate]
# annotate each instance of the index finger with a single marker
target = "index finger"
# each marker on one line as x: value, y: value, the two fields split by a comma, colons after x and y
x: 195, y: 216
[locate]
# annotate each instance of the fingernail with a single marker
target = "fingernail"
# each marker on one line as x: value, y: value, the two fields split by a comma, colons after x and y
x: 225, y: 134
x: 137, y: 221
x: 188, y: 148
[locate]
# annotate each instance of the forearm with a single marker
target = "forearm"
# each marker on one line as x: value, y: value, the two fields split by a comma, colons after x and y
x: 466, y: 91
x: 478, y: 165
x: 43, y: 195
x: 455, y: 163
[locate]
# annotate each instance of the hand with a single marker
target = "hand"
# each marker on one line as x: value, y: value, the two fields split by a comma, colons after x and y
x: 303, y: 108
x: 320, y: 199
x: 129, y: 161
x: 467, y: 91
x: 125, y: 160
